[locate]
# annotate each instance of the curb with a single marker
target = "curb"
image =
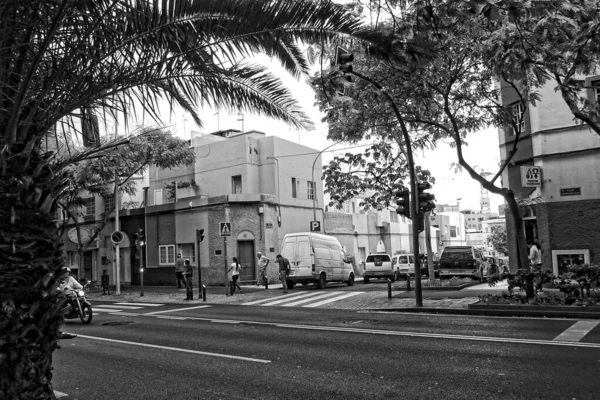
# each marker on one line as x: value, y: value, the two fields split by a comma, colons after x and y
x: 497, y: 312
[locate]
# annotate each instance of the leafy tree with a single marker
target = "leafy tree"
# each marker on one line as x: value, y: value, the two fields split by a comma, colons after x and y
x: 94, y: 175
x: 59, y: 57
x: 498, y: 239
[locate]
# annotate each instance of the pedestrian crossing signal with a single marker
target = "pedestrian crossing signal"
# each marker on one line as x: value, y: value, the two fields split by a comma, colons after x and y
x: 225, y: 228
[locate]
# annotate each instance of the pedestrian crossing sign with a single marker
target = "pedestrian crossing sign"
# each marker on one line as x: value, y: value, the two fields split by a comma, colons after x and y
x: 225, y: 228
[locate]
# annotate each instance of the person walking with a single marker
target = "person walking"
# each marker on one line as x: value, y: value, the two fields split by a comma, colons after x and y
x: 180, y: 271
x: 189, y: 281
x: 535, y: 255
x: 235, y: 274
x: 263, y: 261
x: 284, y: 271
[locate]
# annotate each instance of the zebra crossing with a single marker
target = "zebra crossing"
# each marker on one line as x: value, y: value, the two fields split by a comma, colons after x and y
x: 122, y: 307
x: 306, y: 299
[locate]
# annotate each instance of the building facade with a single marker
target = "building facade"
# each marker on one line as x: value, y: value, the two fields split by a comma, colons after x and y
x: 555, y: 176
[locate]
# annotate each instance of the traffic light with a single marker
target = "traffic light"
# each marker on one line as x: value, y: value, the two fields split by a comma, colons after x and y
x: 425, y: 199
x: 141, y: 236
x: 403, y: 202
x: 199, y: 235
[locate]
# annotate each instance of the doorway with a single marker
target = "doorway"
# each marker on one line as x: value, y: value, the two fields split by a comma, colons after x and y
x: 247, y: 260
x: 87, y: 265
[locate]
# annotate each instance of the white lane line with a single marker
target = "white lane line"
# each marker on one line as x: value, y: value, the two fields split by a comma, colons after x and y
x: 329, y: 294
x: 154, y: 346
x: 112, y: 310
x: 443, y: 336
x: 287, y: 296
x: 140, y: 304
x: 176, y: 310
x: 320, y: 303
x: 577, y: 331
x: 169, y: 317
x: 120, y: 307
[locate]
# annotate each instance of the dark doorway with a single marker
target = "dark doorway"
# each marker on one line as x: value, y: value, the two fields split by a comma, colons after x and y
x: 87, y: 265
x: 247, y: 259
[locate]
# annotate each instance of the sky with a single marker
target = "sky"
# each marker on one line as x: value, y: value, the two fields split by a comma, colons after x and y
x: 451, y: 187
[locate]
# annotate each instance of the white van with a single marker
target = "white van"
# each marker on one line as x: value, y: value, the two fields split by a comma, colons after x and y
x: 316, y: 258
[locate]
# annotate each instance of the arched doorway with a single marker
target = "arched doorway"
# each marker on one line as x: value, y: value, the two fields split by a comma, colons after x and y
x: 246, y: 255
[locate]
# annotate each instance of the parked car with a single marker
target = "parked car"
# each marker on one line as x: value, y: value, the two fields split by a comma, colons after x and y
x: 404, y: 264
x: 463, y: 261
x: 379, y: 265
x: 316, y: 258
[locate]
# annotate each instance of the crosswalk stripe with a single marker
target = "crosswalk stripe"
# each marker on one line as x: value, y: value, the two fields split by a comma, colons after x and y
x: 284, y: 299
x: 309, y: 299
x: 140, y: 304
x: 344, y: 296
x: 577, y: 331
x: 120, y: 307
x: 292, y: 297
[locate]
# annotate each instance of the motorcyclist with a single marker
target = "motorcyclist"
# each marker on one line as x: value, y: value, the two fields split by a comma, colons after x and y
x: 67, y: 285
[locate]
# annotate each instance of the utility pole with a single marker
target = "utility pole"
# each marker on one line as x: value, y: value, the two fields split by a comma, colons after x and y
x: 117, y: 224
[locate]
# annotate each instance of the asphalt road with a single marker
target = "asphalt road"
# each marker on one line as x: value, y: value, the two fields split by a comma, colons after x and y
x: 255, y: 352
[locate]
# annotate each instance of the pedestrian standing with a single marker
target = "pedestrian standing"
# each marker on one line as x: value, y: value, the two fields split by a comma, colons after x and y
x: 284, y: 271
x: 189, y: 275
x: 535, y: 255
x: 235, y: 274
x: 180, y: 271
x: 263, y: 261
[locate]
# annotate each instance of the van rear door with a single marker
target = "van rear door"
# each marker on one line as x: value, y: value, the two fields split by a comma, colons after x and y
x: 297, y: 250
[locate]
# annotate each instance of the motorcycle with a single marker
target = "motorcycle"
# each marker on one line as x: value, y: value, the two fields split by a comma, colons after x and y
x: 78, y: 306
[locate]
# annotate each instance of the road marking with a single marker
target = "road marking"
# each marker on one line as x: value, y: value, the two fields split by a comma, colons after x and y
x: 292, y: 297
x: 577, y: 331
x: 203, y: 353
x: 121, y: 307
x: 176, y: 310
x: 141, y: 304
x: 304, y: 300
x: 112, y: 310
x: 169, y: 317
x: 344, y: 296
x: 58, y: 394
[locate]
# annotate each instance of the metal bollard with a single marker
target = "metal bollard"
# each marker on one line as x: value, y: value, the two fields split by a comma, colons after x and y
x: 407, y: 281
x: 389, y: 288
x: 203, y: 292
x: 266, y: 283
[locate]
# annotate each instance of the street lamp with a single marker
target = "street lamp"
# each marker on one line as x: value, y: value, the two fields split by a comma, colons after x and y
x: 278, y: 200
x: 143, y: 253
x: 313, y: 182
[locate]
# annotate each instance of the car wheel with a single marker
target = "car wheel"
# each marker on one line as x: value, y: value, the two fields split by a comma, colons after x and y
x: 322, y: 282
x: 350, y: 281
x: 366, y: 280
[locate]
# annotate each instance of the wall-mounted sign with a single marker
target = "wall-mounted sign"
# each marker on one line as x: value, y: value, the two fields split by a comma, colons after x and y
x: 85, y: 233
x: 570, y: 191
x: 315, y: 226
x: 531, y: 176
x: 225, y: 228
x: 269, y: 225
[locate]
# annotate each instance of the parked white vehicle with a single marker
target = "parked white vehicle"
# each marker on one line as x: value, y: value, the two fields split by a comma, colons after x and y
x: 316, y: 258
x: 379, y: 265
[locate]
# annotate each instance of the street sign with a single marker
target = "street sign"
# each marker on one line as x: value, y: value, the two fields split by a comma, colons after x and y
x: 117, y: 237
x: 531, y: 176
x: 225, y: 228
x: 315, y: 226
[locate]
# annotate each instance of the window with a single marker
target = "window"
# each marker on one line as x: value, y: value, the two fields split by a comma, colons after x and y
x: 294, y: 193
x: 166, y: 254
x: 109, y: 203
x: 236, y: 184
x: 563, y: 259
x: 453, y: 231
x: 518, y: 118
x: 188, y: 251
x: 158, y: 197
x: 90, y: 207
x: 310, y: 186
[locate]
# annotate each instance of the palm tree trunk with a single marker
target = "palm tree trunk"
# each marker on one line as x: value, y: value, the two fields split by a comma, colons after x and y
x: 30, y: 261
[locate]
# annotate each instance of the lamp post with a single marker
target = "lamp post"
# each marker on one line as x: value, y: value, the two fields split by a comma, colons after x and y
x: 278, y: 200
x: 143, y: 242
x: 313, y: 182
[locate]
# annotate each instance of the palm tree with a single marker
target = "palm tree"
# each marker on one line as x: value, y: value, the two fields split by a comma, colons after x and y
x: 58, y: 57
